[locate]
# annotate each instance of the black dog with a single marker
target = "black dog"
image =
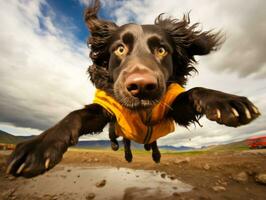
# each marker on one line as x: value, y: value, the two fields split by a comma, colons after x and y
x: 136, y: 67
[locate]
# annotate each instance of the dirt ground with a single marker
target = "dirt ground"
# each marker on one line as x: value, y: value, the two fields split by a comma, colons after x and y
x: 213, y: 175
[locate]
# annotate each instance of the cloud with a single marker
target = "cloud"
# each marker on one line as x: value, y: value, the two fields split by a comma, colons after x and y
x: 43, y: 69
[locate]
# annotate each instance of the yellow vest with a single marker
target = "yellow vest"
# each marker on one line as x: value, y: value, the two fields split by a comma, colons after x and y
x: 141, y: 126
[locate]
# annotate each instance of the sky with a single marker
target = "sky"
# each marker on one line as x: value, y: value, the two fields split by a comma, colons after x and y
x: 44, y: 58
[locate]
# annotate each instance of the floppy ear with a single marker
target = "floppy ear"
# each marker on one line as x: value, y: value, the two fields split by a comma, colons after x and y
x: 187, y: 42
x: 204, y: 42
x: 101, y: 31
x: 187, y: 38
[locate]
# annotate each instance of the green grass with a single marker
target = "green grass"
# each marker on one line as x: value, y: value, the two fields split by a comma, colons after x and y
x: 137, y: 151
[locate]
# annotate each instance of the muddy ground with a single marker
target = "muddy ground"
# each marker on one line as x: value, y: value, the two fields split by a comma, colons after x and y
x: 212, y: 175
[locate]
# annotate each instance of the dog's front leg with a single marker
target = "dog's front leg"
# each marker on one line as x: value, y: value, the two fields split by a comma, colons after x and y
x: 227, y: 109
x: 43, y: 152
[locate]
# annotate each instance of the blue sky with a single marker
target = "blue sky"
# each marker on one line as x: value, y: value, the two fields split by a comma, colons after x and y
x: 44, y: 58
x: 70, y: 12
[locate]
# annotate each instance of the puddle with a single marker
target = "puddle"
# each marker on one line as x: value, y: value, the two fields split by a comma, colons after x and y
x: 120, y: 183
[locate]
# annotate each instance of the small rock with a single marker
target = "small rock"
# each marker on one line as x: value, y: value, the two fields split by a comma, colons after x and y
x: 11, y: 178
x: 78, y: 175
x: 224, y: 183
x: 96, y: 160
x: 241, y: 177
x: 176, y: 194
x: 261, y: 178
x: 167, y: 164
x: 173, y: 177
x: 101, y: 183
x: 219, y: 188
x: 163, y: 175
x: 54, y: 197
x: 206, y: 167
x: 12, y: 198
x: 186, y: 160
x: 69, y: 170
x: 90, y: 196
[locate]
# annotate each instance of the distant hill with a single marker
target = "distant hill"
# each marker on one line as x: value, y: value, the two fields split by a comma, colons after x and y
x: 11, y: 139
x: 173, y: 148
x: 231, y: 146
x: 134, y: 145
x: 104, y: 144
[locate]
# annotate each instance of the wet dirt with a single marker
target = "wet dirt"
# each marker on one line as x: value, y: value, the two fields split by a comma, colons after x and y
x: 103, y: 182
x: 103, y: 174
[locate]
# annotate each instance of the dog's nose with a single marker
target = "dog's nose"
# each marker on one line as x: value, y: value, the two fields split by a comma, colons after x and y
x: 141, y: 84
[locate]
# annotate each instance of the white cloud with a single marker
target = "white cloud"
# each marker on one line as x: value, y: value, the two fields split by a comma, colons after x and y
x: 43, y: 72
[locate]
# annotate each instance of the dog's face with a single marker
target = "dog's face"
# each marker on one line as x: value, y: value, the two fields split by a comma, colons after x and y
x: 140, y: 64
x: 136, y: 63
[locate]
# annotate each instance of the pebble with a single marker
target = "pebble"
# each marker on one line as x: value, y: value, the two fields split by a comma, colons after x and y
x: 54, y: 197
x: 90, y: 196
x: 163, y: 175
x: 241, y: 177
x: 176, y: 194
x: 219, y: 188
x: 261, y: 178
x: 11, y: 178
x: 173, y: 177
x: 186, y: 160
x: 102, y: 183
x: 96, y: 160
x: 206, y: 167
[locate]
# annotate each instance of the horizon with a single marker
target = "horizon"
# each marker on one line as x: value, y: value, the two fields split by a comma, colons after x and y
x: 44, y: 58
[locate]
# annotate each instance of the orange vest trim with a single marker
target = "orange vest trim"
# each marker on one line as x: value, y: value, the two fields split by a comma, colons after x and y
x: 141, y: 126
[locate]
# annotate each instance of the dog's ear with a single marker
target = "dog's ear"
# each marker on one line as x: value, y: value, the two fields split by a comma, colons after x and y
x: 101, y: 31
x: 204, y: 42
x: 187, y: 42
x: 187, y: 38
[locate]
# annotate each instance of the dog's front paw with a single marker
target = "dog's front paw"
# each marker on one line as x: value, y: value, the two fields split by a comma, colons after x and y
x: 36, y: 156
x: 227, y: 109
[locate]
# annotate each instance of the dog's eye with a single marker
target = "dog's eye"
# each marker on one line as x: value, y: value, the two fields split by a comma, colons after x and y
x: 160, y: 52
x: 121, y: 50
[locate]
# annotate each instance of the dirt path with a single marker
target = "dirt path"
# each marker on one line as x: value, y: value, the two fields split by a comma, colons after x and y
x: 216, y: 175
